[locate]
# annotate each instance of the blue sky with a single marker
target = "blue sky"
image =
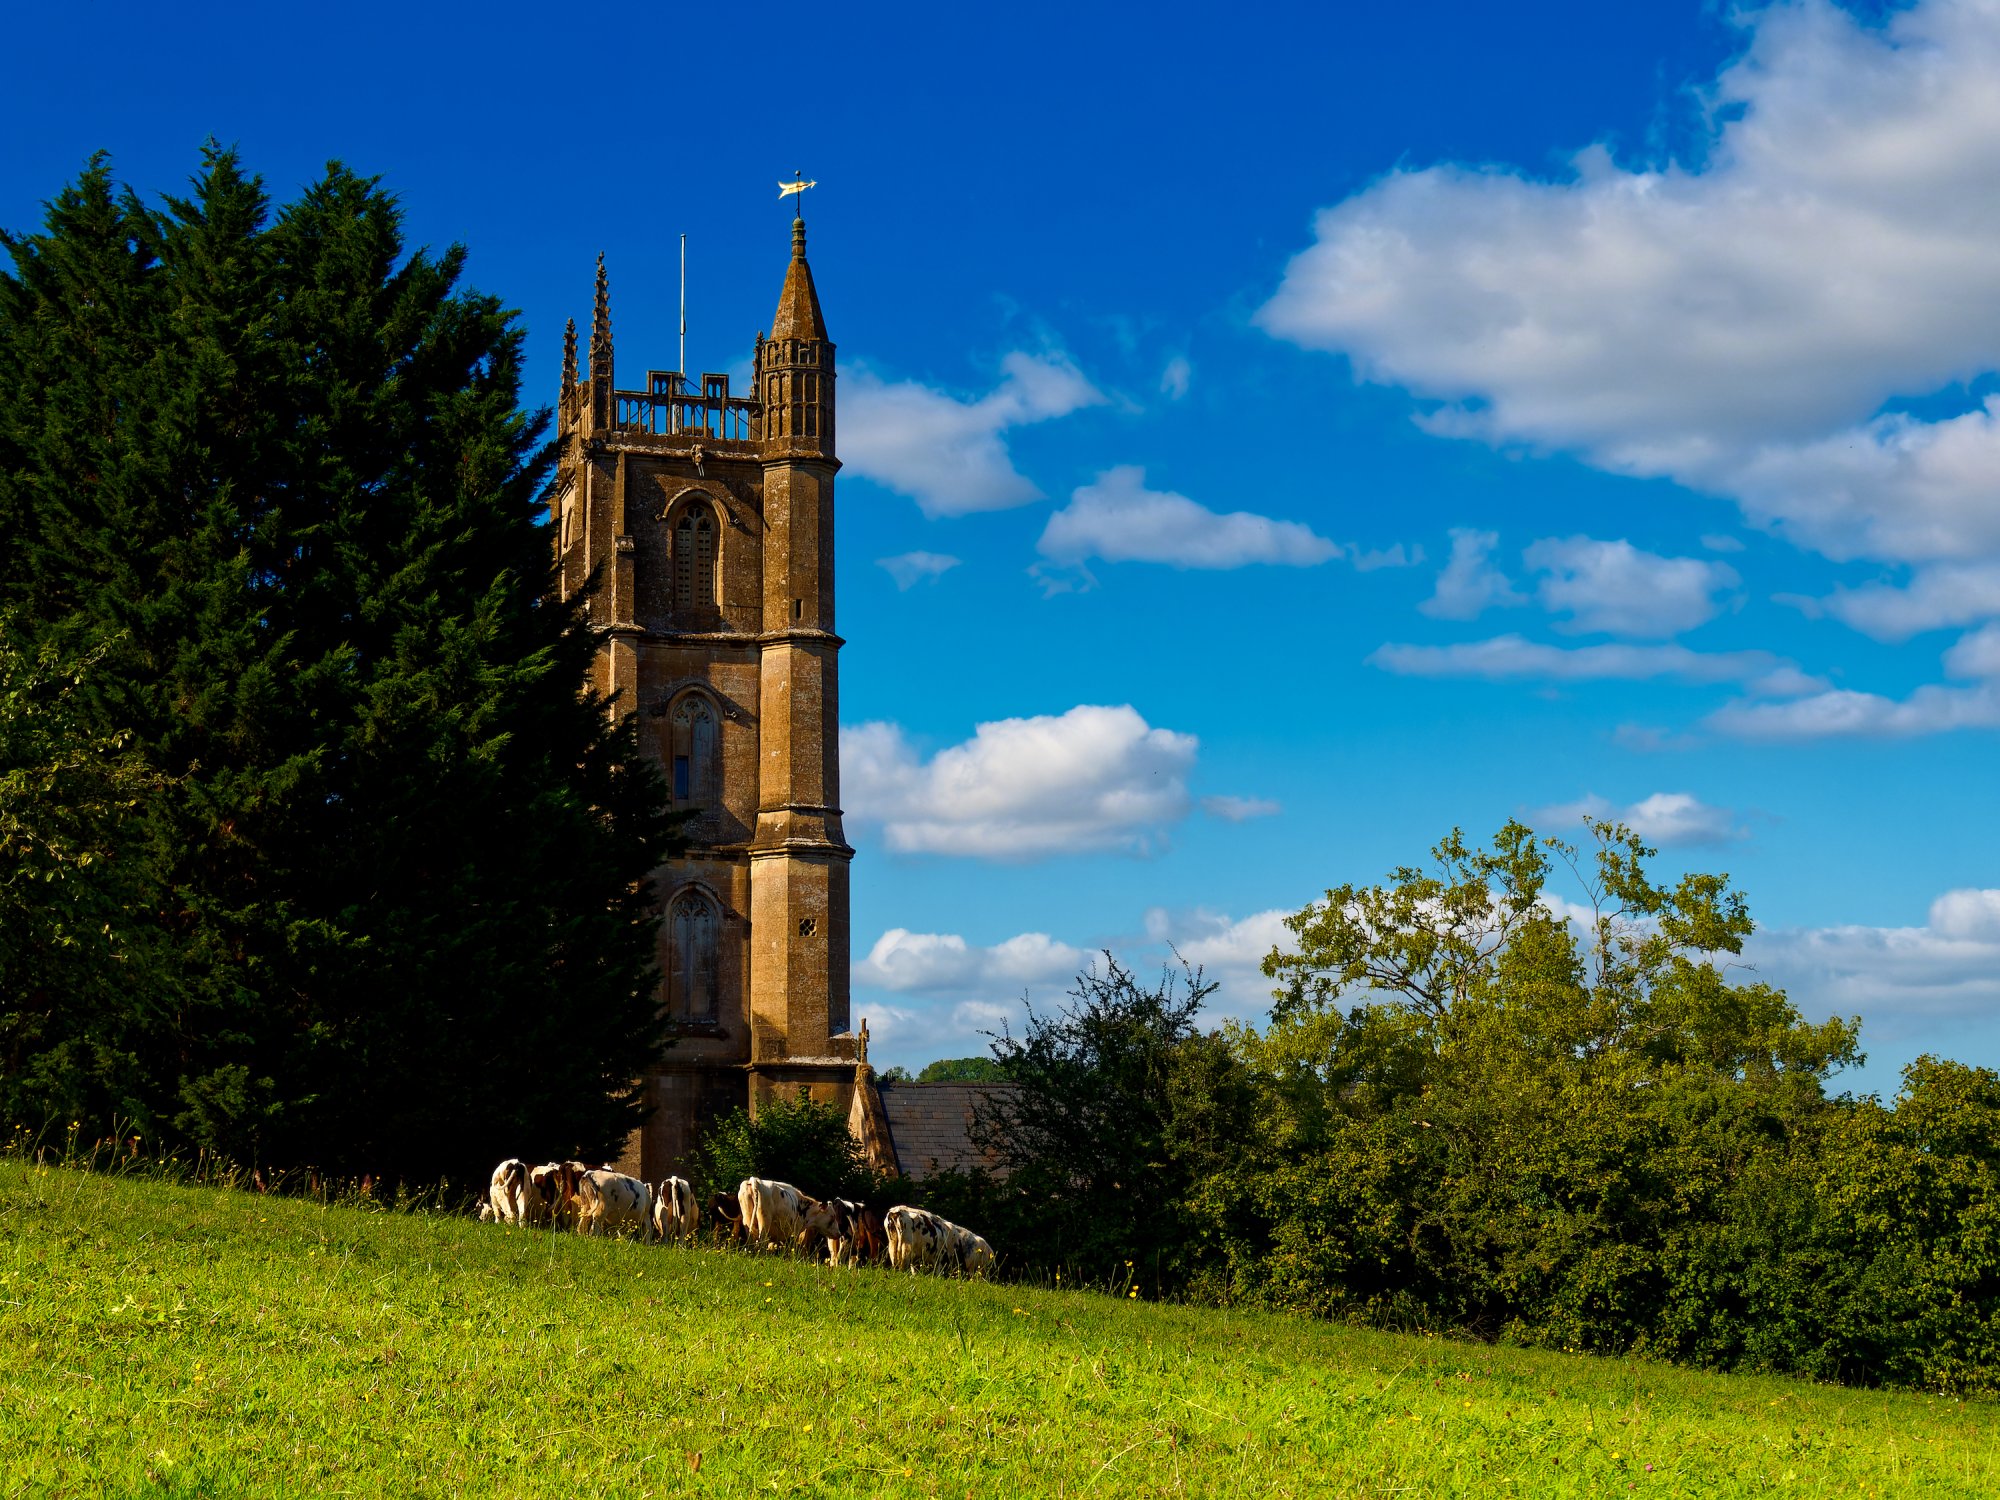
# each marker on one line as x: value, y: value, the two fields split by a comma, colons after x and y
x: 1274, y: 437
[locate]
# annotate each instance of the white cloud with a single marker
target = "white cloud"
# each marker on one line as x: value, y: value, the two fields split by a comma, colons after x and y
x: 1614, y: 588
x: 1092, y: 779
x: 1718, y: 541
x: 1368, y: 560
x: 1469, y: 584
x: 1240, y: 809
x: 944, y: 963
x: 1513, y: 658
x: 1933, y: 708
x: 949, y: 455
x: 1897, y: 979
x: 1976, y: 654
x: 1175, y: 378
x: 1665, y: 819
x: 1967, y: 916
x: 1940, y: 595
x: 1230, y: 954
x: 1737, y: 323
x: 1118, y: 519
x: 911, y: 568
x: 1845, y: 714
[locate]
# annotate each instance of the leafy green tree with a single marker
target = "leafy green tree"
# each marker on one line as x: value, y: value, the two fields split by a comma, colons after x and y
x: 800, y: 1140
x: 1121, y: 1104
x: 75, y: 938
x: 271, y: 467
x: 1525, y: 1113
x: 962, y: 1070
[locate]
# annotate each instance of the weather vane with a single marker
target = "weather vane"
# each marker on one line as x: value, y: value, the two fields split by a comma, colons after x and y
x: 796, y: 188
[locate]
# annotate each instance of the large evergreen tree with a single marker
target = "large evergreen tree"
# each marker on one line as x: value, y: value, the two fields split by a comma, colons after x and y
x: 382, y: 901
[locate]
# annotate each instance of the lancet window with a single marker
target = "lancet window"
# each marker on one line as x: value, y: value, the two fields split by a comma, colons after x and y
x: 693, y: 757
x: 694, y: 933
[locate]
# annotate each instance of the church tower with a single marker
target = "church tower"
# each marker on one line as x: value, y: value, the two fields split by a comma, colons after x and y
x: 708, y: 520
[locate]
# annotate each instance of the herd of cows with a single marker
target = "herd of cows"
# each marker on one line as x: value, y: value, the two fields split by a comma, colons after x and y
x: 762, y: 1214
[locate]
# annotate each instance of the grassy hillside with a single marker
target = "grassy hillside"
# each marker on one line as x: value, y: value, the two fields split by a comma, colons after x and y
x: 185, y: 1341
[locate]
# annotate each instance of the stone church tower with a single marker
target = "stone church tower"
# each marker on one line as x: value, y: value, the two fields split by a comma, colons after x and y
x: 710, y: 518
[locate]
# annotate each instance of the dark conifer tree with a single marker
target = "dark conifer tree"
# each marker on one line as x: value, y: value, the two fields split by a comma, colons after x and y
x: 267, y: 471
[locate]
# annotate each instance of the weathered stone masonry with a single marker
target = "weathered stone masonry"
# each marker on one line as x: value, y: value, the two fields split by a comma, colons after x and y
x: 711, y: 516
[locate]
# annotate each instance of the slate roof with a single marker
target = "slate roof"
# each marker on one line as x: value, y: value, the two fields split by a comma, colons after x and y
x: 929, y: 1125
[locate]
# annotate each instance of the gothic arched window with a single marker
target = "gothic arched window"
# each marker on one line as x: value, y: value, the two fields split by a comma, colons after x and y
x: 693, y: 754
x: 694, y: 558
x: 694, y: 931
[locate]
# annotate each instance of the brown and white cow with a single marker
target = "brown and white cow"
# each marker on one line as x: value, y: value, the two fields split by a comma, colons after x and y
x: 611, y: 1203
x: 675, y: 1213
x: 831, y: 1220
x: 774, y: 1213
x: 507, y: 1194
x: 852, y: 1231
x: 551, y: 1195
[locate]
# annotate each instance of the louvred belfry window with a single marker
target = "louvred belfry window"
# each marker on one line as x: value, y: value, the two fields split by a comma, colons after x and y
x: 694, y: 931
x: 694, y: 559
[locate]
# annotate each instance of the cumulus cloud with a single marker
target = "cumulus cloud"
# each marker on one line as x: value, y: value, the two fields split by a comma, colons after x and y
x: 1665, y: 819
x: 1843, y: 713
x: 1933, y: 708
x: 949, y: 455
x: 1737, y: 322
x: 1240, y: 809
x: 1940, y: 595
x: 1507, y: 658
x: 1118, y: 519
x: 1092, y: 779
x: 1896, y: 978
x: 1469, y: 584
x: 1175, y: 378
x: 939, y: 963
x: 1976, y: 654
x: 1229, y: 951
x: 912, y: 568
x: 1615, y: 589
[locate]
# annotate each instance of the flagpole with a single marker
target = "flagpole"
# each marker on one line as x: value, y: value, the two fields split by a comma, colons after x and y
x: 684, y: 309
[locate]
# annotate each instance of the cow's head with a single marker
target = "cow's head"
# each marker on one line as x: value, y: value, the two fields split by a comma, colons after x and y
x: 830, y: 1219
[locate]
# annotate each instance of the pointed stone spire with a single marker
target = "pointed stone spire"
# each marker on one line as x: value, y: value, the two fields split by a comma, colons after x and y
x: 798, y: 304
x: 600, y: 329
x: 569, y: 356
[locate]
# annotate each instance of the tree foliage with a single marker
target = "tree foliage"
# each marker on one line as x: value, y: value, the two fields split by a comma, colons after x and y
x: 265, y: 472
x: 962, y: 1070
x: 1524, y: 1091
x: 1110, y: 1122
x: 796, y: 1139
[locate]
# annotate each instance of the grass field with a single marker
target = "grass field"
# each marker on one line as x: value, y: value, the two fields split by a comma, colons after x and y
x: 198, y: 1341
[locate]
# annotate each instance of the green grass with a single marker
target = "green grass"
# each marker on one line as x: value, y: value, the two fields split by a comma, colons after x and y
x: 172, y: 1340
